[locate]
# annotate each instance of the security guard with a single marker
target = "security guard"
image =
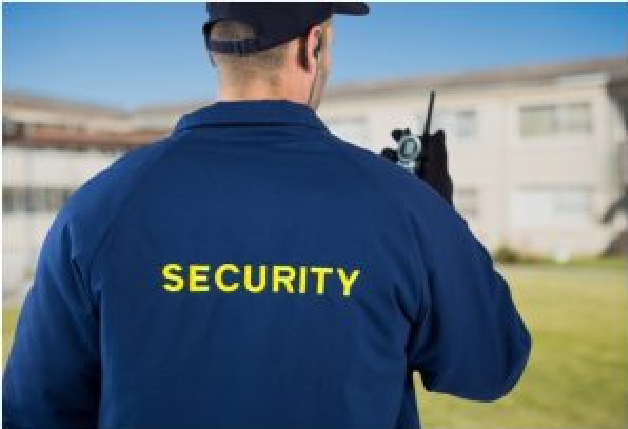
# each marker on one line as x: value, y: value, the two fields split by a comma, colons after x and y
x: 252, y: 269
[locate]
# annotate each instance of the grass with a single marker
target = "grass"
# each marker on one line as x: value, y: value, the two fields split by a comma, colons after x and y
x: 9, y: 321
x: 577, y: 374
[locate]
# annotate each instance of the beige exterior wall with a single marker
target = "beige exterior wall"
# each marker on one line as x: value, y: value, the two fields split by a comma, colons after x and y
x: 24, y: 232
x: 52, y: 167
x: 508, y: 170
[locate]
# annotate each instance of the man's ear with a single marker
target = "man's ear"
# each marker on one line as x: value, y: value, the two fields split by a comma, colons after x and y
x: 318, y: 34
x: 317, y: 49
x: 303, y: 52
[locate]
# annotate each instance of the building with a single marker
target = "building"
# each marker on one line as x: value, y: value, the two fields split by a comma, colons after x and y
x: 535, y: 152
x: 538, y: 154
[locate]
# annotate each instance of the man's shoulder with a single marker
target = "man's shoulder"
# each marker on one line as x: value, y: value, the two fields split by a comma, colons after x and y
x: 379, y: 171
x: 119, y: 178
x: 408, y: 193
x: 93, y: 206
x: 370, y: 161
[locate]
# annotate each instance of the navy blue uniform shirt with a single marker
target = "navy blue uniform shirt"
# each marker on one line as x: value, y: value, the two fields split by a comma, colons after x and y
x: 253, y: 270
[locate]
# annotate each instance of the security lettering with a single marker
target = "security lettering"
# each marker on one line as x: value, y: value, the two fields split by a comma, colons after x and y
x: 229, y: 278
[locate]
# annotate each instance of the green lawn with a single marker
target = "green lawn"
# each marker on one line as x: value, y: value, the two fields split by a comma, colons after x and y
x: 9, y: 320
x: 577, y: 374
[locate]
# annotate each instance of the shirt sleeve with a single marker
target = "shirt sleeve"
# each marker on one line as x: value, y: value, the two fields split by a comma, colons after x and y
x: 52, y: 376
x: 469, y: 340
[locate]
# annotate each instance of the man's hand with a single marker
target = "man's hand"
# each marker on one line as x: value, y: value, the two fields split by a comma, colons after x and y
x: 432, y: 165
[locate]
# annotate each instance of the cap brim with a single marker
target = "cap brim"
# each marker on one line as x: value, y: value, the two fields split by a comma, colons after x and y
x: 351, y: 8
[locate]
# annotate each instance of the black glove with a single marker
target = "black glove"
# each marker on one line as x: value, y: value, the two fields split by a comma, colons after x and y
x: 432, y: 164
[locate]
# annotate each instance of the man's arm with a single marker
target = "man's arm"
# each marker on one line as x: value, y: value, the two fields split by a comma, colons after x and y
x: 469, y: 340
x: 52, y: 376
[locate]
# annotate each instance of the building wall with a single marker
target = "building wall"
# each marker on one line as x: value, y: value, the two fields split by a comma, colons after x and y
x: 544, y: 193
x: 35, y: 183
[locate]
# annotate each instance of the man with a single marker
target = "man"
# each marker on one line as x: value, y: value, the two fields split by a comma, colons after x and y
x: 252, y: 269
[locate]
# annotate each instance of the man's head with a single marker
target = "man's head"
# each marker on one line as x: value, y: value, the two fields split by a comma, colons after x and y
x: 276, y: 51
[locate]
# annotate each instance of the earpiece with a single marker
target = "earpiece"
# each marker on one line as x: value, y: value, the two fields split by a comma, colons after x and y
x: 302, y: 56
x: 317, y: 48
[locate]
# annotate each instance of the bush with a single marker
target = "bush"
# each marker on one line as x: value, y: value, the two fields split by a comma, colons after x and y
x: 506, y: 255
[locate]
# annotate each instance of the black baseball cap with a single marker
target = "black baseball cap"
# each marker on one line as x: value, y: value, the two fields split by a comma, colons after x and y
x: 274, y: 23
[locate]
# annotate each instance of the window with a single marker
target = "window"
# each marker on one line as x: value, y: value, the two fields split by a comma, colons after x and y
x: 54, y: 198
x: 459, y: 124
x: 466, y: 123
x: 353, y: 130
x: 33, y: 200
x: 551, y: 206
x: 11, y: 129
x: 543, y: 120
x: 13, y: 200
x: 466, y: 202
x: 568, y: 202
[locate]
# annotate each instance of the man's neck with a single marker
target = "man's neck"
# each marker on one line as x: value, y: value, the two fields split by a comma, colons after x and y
x: 258, y: 91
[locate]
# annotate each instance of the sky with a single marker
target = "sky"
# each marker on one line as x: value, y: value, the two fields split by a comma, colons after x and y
x: 129, y: 55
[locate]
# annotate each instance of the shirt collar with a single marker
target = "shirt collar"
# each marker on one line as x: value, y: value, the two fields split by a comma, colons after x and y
x: 251, y: 112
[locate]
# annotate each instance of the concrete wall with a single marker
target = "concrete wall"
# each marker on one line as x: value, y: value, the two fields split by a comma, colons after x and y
x: 23, y: 231
x: 516, y: 179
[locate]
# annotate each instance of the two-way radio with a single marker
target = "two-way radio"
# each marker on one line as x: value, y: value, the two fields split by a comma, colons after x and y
x: 409, y: 146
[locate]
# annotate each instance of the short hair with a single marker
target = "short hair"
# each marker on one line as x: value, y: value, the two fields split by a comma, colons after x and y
x: 264, y: 64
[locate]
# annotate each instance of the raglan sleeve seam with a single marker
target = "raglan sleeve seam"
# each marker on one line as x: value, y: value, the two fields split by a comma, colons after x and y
x: 109, y: 228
